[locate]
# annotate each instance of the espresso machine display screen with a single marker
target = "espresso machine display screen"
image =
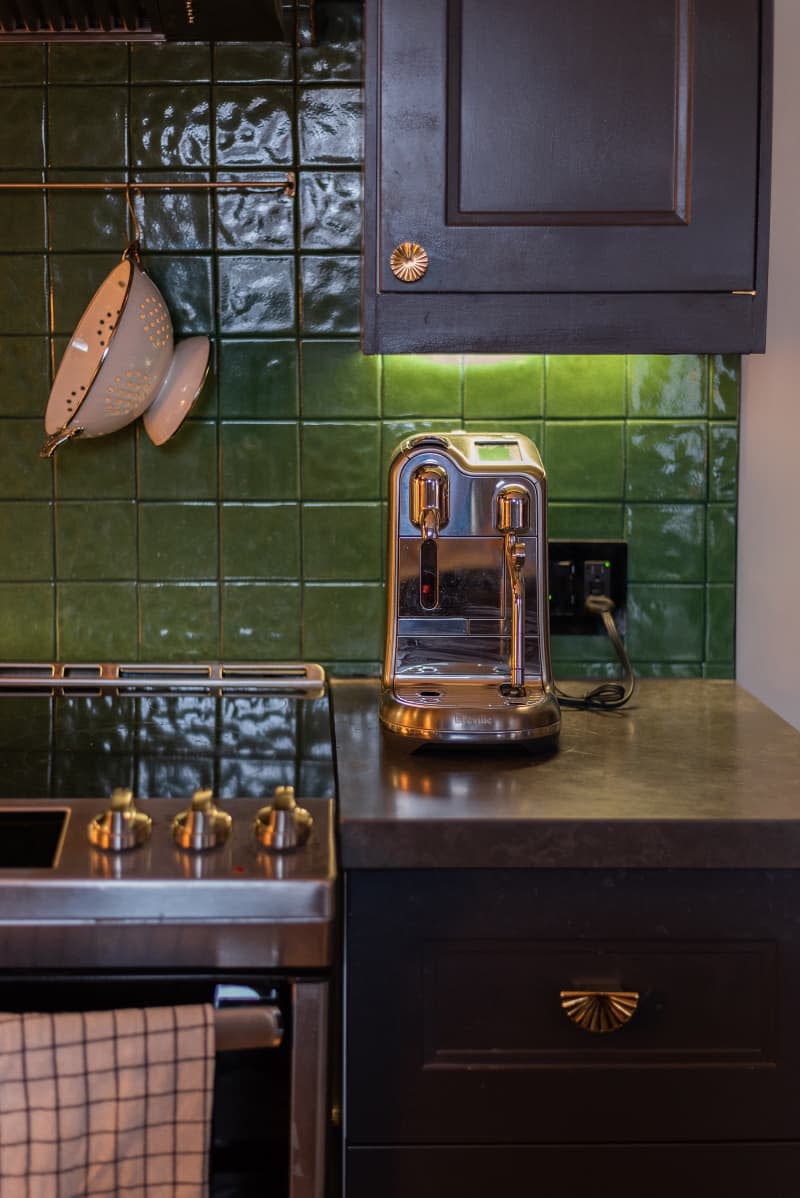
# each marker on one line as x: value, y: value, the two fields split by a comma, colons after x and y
x: 498, y: 451
x: 467, y: 644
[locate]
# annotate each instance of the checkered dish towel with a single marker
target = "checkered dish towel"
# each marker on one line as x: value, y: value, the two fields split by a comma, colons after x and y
x: 106, y: 1104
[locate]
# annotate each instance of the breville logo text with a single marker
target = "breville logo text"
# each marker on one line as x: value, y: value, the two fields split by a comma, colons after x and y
x: 472, y: 721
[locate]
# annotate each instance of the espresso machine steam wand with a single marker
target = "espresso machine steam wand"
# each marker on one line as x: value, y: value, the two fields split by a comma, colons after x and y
x: 512, y: 518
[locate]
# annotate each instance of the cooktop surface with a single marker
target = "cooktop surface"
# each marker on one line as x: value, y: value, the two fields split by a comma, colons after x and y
x: 164, y: 737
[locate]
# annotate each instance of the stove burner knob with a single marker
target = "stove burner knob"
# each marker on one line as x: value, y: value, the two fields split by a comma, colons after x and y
x: 203, y: 826
x: 282, y: 825
x: 120, y: 826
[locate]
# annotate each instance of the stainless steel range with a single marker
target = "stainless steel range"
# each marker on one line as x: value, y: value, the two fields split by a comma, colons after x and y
x: 167, y: 834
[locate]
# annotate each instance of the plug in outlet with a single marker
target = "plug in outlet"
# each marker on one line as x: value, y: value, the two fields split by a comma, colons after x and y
x: 597, y: 577
x: 581, y: 568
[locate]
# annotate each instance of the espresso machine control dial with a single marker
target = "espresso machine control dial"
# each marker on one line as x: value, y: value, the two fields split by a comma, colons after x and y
x: 430, y: 501
x: 513, y: 509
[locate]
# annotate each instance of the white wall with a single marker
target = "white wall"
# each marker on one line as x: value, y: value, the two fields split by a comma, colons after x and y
x: 768, y: 574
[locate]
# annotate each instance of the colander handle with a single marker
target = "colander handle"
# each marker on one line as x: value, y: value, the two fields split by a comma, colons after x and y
x: 55, y: 439
x: 133, y: 252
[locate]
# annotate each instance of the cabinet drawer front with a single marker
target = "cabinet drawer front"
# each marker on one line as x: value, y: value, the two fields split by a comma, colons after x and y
x: 495, y: 1004
x: 455, y: 1019
x: 573, y: 1171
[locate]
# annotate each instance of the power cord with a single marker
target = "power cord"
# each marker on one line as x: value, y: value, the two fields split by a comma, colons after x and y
x: 605, y: 694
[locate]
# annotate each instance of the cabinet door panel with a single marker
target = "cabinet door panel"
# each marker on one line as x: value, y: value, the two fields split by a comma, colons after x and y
x: 541, y: 127
x: 538, y: 147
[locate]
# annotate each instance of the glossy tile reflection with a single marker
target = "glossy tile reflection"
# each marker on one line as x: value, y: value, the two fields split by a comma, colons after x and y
x: 164, y: 746
x: 258, y: 530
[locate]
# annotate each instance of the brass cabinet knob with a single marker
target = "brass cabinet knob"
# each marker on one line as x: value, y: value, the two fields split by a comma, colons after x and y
x: 599, y: 1010
x: 408, y: 262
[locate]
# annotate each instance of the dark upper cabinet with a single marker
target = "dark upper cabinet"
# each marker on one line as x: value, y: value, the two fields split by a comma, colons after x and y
x: 583, y: 176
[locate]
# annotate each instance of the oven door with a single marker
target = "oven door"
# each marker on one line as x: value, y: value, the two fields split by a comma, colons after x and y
x: 270, y: 1104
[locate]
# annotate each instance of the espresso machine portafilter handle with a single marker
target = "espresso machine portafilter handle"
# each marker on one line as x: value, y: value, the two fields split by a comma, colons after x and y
x: 512, y: 517
x: 429, y: 509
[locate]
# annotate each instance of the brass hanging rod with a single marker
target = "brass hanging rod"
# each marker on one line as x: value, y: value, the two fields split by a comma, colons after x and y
x: 288, y: 186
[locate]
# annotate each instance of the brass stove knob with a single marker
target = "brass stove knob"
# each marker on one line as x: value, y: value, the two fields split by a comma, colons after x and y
x: 282, y: 825
x: 203, y: 826
x: 120, y: 827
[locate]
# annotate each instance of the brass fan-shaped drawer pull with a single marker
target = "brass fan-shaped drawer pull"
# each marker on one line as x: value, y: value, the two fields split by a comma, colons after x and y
x: 599, y: 1010
x: 408, y: 262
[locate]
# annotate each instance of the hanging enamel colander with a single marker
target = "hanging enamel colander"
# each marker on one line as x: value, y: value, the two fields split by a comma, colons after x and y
x: 121, y: 363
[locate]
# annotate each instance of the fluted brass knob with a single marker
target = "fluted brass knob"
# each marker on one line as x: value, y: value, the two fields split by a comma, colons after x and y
x: 408, y: 262
x: 599, y: 1010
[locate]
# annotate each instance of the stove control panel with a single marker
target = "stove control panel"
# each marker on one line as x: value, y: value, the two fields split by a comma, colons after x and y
x: 280, y: 826
x: 254, y: 887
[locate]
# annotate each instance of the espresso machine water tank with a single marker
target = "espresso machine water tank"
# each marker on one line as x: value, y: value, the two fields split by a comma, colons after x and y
x: 467, y: 642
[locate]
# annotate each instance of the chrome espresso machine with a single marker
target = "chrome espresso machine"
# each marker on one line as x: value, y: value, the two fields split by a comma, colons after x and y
x: 467, y: 640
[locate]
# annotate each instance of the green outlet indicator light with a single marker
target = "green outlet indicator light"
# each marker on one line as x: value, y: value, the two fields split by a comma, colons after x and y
x: 607, y: 565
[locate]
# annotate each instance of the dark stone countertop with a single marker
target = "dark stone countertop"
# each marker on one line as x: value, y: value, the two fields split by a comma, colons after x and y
x: 692, y: 774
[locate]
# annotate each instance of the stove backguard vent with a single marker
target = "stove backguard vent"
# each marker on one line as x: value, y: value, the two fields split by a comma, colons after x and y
x: 141, y: 20
x: 306, y: 679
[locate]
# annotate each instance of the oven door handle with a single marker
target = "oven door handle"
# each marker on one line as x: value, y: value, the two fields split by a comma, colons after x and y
x: 243, y: 1021
x: 239, y: 1029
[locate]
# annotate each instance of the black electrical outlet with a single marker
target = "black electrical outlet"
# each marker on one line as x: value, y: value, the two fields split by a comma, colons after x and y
x: 581, y: 568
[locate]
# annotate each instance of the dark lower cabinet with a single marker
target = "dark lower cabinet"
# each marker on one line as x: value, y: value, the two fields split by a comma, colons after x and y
x: 583, y: 176
x: 465, y: 1072
x: 574, y: 1171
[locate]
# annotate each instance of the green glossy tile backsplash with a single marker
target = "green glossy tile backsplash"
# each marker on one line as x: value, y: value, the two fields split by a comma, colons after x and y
x: 258, y: 531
